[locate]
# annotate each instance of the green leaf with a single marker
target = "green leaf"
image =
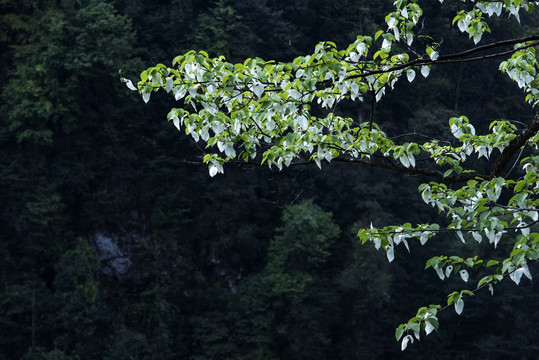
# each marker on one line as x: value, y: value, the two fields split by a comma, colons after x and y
x: 399, y: 332
x: 492, y: 263
x: 415, y: 325
x: 144, y: 76
x: 434, y: 322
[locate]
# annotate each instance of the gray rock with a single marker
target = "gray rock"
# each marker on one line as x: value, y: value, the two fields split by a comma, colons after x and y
x: 113, y: 259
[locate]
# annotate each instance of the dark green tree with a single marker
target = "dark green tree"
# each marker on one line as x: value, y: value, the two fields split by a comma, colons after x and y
x: 218, y: 31
x: 286, y: 311
x: 75, y: 314
x: 61, y: 57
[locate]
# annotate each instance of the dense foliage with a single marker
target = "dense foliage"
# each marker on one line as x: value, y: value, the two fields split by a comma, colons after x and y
x: 267, y: 107
x: 115, y: 243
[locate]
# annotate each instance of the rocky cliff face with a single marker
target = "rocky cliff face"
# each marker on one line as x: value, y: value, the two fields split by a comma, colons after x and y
x: 114, y: 261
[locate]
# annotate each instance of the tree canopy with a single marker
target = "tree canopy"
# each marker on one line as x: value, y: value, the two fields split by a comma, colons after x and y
x: 282, y: 114
x: 116, y: 244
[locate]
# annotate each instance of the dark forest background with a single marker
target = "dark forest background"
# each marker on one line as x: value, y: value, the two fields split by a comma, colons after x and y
x: 116, y: 244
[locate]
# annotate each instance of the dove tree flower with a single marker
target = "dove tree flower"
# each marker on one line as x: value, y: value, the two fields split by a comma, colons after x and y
x: 268, y: 113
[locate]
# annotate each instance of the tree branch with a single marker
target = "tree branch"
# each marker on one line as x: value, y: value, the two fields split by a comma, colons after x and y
x: 514, y: 145
x: 496, y: 169
x: 392, y: 167
x: 459, y: 57
x: 489, y: 46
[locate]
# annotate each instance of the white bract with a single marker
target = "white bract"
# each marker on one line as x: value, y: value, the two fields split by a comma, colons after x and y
x: 459, y: 306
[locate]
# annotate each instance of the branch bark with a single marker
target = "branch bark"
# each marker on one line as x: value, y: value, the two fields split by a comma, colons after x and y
x: 459, y: 57
x: 514, y: 145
